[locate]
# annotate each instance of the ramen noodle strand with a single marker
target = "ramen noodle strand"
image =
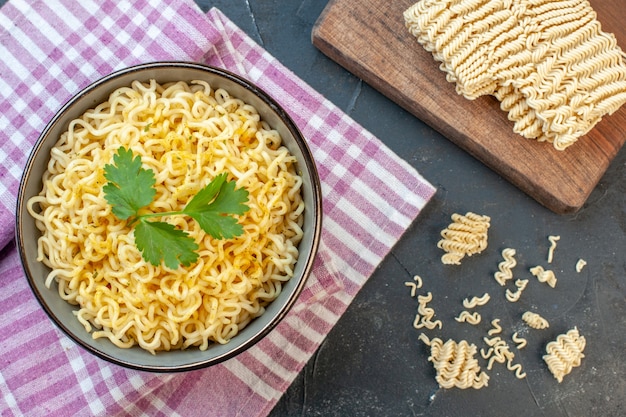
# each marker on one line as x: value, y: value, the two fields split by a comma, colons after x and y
x: 495, y: 327
x: 505, y: 267
x: 414, y: 285
x: 519, y: 341
x: 516, y: 369
x: 467, y: 317
x: 552, y: 240
x: 514, y: 296
x: 425, y: 314
x: 476, y: 301
x: 544, y: 275
x: 500, y: 352
x: 418, y: 281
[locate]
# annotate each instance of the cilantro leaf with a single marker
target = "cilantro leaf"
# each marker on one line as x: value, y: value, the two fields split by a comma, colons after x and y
x: 130, y: 187
x: 207, y: 194
x: 213, y: 206
x: 161, y: 241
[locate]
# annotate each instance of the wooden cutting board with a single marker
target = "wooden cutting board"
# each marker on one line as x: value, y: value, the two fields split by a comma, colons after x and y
x: 368, y: 38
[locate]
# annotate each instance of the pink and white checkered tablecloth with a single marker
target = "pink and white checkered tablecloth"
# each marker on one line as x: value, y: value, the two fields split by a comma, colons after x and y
x: 51, y: 49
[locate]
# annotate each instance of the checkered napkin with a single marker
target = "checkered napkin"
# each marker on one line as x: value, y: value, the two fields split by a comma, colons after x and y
x: 51, y: 49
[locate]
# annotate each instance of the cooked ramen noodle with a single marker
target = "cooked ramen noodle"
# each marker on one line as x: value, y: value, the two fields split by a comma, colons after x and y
x: 187, y: 134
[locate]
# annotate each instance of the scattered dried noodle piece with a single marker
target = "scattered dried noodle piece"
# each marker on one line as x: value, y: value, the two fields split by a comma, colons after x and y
x: 505, y: 267
x: 516, y: 369
x: 565, y: 353
x: 465, y: 236
x: 552, y: 240
x: 467, y: 317
x: 476, y: 301
x: 519, y: 341
x: 580, y: 265
x: 424, y: 338
x: 535, y: 321
x: 425, y: 314
x: 544, y: 275
x: 413, y: 287
x: 495, y: 327
x: 500, y: 352
x: 418, y: 281
x: 514, y: 296
x: 456, y: 365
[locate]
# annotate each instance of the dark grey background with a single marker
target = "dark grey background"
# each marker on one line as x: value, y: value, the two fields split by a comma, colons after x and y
x: 372, y: 363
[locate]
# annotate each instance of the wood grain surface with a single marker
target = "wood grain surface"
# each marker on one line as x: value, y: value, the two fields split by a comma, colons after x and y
x: 368, y: 38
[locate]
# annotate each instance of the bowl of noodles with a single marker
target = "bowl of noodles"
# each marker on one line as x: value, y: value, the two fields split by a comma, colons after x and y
x: 168, y: 216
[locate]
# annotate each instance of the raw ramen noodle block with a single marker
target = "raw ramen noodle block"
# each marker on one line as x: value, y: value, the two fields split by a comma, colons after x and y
x: 565, y: 353
x: 548, y: 62
x: 466, y: 235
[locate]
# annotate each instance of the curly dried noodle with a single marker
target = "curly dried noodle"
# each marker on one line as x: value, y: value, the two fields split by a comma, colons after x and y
x: 187, y: 134
x: 565, y: 353
x: 548, y: 62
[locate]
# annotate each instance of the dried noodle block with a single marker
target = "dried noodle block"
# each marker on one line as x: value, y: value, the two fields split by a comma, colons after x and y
x: 548, y: 62
x: 465, y: 236
x: 535, y: 321
x: 456, y: 364
x: 565, y: 353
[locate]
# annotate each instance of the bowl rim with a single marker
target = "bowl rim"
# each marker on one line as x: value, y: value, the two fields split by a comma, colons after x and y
x: 316, y: 210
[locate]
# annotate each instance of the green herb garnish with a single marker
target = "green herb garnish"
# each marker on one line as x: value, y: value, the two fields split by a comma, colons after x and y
x: 131, y: 188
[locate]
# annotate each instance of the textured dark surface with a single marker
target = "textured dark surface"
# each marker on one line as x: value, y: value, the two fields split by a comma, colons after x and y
x: 372, y: 363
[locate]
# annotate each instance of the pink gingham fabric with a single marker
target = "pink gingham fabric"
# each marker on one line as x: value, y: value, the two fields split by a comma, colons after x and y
x: 51, y: 49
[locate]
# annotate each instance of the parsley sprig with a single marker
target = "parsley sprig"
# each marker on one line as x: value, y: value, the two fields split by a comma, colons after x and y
x: 130, y: 188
